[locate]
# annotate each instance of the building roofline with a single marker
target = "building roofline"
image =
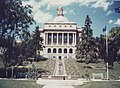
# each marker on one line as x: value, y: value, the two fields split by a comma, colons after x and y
x: 60, y: 22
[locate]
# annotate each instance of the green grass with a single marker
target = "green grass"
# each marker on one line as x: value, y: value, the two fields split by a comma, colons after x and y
x: 19, y: 84
x: 82, y: 70
x: 113, y: 73
x: 1, y: 64
x: 40, y: 64
x: 99, y: 85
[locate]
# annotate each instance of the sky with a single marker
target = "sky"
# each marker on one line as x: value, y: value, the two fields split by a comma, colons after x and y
x: 101, y: 12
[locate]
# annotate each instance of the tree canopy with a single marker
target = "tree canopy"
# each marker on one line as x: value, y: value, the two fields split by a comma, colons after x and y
x: 86, y: 48
x: 15, y: 20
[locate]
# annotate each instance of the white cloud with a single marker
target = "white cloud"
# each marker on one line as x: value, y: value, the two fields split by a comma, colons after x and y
x: 117, y: 21
x: 41, y: 16
x: 108, y: 13
x: 110, y: 21
x: 38, y: 14
x: 69, y: 11
x: 92, y: 3
x: 101, y: 4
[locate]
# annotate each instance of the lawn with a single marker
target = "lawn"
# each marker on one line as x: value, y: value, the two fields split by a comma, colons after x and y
x: 113, y: 73
x: 1, y: 64
x: 99, y: 85
x: 40, y: 64
x: 19, y: 84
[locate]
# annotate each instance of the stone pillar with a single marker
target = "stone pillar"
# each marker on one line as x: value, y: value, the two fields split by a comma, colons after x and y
x: 67, y: 38
x: 51, y: 38
x: 57, y: 38
x: 62, y: 38
x: 46, y: 38
x: 75, y: 38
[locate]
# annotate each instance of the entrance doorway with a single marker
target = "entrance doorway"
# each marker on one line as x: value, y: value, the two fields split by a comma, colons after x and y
x: 59, y: 57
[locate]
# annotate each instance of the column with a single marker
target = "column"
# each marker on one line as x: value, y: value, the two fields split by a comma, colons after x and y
x: 68, y: 38
x: 46, y: 38
x: 75, y: 38
x: 52, y: 38
x: 57, y: 38
x: 62, y: 38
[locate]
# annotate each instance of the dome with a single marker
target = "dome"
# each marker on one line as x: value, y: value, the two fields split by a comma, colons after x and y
x: 60, y: 19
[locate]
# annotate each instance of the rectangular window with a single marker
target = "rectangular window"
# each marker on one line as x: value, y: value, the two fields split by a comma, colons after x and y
x: 65, y: 38
x: 60, y: 38
x: 54, y: 38
x: 70, y: 38
x: 49, y: 38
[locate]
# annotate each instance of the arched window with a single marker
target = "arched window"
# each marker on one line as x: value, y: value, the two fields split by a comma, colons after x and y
x: 70, y: 51
x: 65, y: 50
x: 54, y: 50
x: 60, y: 50
x: 49, y: 50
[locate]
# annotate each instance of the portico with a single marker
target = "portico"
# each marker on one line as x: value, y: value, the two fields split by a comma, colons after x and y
x: 60, y: 37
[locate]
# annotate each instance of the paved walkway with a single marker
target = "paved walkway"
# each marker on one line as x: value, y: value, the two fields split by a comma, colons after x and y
x: 53, y: 86
x: 59, y: 68
x: 59, y: 71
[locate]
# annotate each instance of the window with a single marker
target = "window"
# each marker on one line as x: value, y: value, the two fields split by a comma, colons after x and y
x: 60, y: 51
x: 54, y: 38
x: 65, y: 50
x: 54, y: 56
x: 65, y: 38
x: 70, y: 38
x: 60, y: 38
x: 70, y: 51
x: 49, y: 50
x: 49, y: 38
x: 54, y: 50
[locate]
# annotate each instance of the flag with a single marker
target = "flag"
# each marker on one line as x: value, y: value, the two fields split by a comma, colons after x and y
x: 117, y: 10
x: 104, y: 29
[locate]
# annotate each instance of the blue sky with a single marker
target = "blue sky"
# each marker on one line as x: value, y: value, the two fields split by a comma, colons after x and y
x: 101, y: 12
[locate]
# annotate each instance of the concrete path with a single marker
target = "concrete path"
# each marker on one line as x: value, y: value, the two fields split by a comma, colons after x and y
x: 59, y: 68
x: 59, y: 71
x: 53, y: 86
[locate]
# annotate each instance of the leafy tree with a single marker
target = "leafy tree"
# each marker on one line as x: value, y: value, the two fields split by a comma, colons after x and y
x: 86, y: 49
x: 31, y: 47
x: 15, y: 20
x: 100, y: 41
x: 36, y: 42
x: 113, y: 45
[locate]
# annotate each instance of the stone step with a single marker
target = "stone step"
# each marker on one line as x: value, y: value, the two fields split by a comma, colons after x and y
x: 59, y: 82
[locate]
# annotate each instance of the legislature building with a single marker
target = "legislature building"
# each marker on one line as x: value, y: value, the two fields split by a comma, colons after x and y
x: 60, y: 37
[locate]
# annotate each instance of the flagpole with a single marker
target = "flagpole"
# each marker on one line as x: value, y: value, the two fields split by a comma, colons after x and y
x: 107, y: 54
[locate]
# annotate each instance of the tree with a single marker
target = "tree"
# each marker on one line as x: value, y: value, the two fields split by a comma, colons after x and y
x: 113, y: 45
x: 87, y: 48
x: 101, y: 44
x: 36, y: 42
x: 15, y: 20
x: 31, y: 47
